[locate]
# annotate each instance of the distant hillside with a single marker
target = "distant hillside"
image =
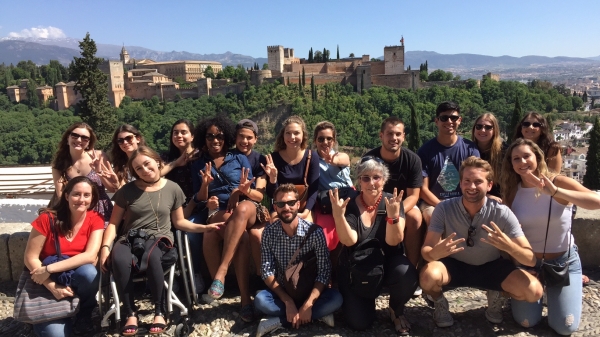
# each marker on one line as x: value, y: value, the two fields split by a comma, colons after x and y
x: 64, y: 50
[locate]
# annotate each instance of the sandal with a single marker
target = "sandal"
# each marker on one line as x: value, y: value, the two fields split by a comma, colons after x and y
x: 216, y: 289
x: 133, y: 328
x: 247, y: 313
x: 401, y: 324
x: 157, y: 328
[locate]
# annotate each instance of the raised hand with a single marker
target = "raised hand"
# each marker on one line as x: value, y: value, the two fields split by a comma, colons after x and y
x: 270, y: 169
x: 392, y: 204
x: 338, y: 206
x: 108, y: 174
x: 497, y: 238
x: 96, y: 163
x: 544, y: 184
x: 245, y: 185
x: 446, y: 247
x: 206, y: 174
x: 326, y: 154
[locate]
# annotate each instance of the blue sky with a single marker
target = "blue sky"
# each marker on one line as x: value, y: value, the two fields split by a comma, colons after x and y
x: 507, y: 27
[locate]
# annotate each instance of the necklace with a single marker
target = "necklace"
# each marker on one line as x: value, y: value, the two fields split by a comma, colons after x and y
x: 157, y: 205
x: 76, y: 168
x: 370, y: 208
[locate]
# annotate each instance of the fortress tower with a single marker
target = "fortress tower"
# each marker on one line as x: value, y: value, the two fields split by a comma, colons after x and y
x: 393, y: 56
x: 275, y: 57
x: 124, y: 55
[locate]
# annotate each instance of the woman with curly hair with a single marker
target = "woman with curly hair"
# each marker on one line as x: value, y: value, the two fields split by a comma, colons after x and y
x: 126, y: 139
x: 535, y: 128
x: 486, y: 135
x: 76, y: 157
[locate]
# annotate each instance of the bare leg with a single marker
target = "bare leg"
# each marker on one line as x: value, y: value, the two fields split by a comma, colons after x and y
x: 414, y: 236
x: 241, y: 263
x: 255, y: 235
x: 434, y: 276
x: 523, y: 286
x: 211, y: 248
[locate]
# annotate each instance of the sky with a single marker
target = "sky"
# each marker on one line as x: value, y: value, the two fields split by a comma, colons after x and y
x: 495, y: 28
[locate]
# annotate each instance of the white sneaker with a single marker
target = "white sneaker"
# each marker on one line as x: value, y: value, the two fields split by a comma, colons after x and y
x: 441, y: 313
x: 328, y: 319
x: 493, y: 313
x: 268, y: 325
x: 418, y: 291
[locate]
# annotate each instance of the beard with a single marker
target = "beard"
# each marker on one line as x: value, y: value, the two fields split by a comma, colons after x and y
x: 288, y: 217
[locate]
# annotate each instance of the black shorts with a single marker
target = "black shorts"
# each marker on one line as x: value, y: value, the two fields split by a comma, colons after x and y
x: 487, y: 276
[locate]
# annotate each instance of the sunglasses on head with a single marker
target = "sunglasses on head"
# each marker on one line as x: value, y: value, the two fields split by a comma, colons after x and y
x: 83, y: 138
x: 368, y: 179
x: 323, y: 139
x: 281, y: 204
x: 483, y: 126
x: 445, y: 118
x: 470, y: 235
x: 367, y: 158
x: 127, y: 139
x: 211, y: 137
x: 528, y: 124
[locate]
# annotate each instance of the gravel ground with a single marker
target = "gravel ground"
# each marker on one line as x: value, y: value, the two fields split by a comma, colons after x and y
x: 221, y: 318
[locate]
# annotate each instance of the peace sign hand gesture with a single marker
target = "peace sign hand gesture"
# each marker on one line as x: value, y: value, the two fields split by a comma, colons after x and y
x: 108, y: 174
x: 392, y: 204
x: 206, y: 175
x: 446, y: 247
x: 245, y: 185
x: 270, y: 169
x: 338, y: 206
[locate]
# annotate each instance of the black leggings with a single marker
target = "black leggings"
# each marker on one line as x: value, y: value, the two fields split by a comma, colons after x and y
x: 122, y: 273
x: 401, y: 280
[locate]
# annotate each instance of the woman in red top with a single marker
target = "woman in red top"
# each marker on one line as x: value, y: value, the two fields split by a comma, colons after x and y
x: 80, y: 232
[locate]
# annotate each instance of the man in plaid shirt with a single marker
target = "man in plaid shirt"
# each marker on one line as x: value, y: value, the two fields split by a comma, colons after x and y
x: 279, y: 242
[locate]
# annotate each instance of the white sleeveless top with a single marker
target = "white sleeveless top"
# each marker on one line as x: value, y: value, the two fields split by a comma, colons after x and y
x: 532, y: 213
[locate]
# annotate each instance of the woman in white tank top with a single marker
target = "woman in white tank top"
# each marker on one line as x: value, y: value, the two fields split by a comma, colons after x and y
x: 530, y: 189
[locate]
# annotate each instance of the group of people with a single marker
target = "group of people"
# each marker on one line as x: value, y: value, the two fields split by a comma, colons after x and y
x: 457, y: 213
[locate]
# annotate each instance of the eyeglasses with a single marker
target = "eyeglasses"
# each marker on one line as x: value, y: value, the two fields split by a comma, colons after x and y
x: 367, y: 158
x: 470, y: 235
x: 281, y: 204
x: 483, y: 126
x: 127, y: 139
x: 445, y: 118
x: 211, y: 137
x: 323, y: 139
x: 368, y: 179
x: 77, y: 136
x: 528, y: 124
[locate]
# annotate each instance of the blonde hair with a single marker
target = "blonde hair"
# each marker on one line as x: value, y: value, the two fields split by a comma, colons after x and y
x: 280, y: 142
x: 496, y: 146
x: 479, y: 163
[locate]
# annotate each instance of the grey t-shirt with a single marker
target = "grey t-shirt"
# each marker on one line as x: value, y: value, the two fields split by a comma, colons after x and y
x: 451, y: 216
x: 139, y: 213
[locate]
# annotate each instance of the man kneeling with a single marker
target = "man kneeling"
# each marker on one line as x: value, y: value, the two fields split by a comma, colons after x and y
x: 463, y: 246
x: 279, y: 242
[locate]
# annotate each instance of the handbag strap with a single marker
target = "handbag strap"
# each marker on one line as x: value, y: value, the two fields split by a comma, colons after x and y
x: 55, y: 233
x: 307, y: 166
x: 311, y: 229
x: 380, y: 213
x: 548, y: 227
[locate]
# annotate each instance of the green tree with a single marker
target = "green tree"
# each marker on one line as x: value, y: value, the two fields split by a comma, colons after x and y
x: 591, y: 179
x: 303, y: 77
x: 423, y: 75
x: 310, y: 56
x: 514, y: 121
x: 440, y: 75
x: 338, y: 51
x: 209, y: 72
x: 584, y: 97
x: 414, y: 140
x: 32, y: 97
x: 318, y: 57
x: 265, y: 66
x: 92, y: 84
x: 313, y: 90
x: 351, y: 55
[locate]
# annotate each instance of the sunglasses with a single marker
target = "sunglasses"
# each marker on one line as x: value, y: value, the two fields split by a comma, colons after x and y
x: 445, y: 118
x: 211, y: 137
x: 470, y: 235
x: 367, y: 158
x: 323, y: 139
x: 83, y: 138
x: 281, y: 204
x: 368, y: 179
x: 127, y: 139
x: 528, y: 124
x: 483, y: 126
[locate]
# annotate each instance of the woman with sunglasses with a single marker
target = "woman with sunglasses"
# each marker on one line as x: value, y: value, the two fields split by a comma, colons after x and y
x: 222, y: 180
x: 486, y: 135
x: 542, y: 201
x: 125, y: 141
x: 334, y: 172
x: 355, y: 218
x: 76, y: 157
x: 288, y: 163
x: 535, y: 128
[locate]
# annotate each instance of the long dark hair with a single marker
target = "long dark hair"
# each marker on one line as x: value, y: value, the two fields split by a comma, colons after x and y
x: 62, y: 212
x: 223, y: 123
x: 174, y: 152
x: 62, y: 158
x: 118, y: 157
x: 545, y: 141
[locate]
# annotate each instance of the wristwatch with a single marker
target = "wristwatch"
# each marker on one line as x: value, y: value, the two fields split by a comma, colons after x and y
x: 392, y: 221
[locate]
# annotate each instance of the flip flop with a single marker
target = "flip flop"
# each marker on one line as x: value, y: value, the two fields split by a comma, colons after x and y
x: 158, y: 327
x: 216, y: 290
x: 132, y: 327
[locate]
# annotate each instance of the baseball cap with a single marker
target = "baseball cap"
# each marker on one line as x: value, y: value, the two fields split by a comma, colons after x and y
x: 247, y: 124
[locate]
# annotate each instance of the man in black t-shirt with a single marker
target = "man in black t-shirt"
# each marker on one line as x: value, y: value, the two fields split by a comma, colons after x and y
x: 405, y: 175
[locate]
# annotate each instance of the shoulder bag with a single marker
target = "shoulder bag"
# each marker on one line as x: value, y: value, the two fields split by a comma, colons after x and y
x: 300, y: 276
x: 343, y: 193
x: 554, y: 275
x: 303, y: 189
x: 34, y: 303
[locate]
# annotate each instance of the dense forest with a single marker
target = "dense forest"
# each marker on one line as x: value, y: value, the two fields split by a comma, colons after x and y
x: 30, y: 134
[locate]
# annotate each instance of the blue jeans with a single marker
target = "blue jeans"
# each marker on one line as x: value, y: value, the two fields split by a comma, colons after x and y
x: 269, y: 303
x: 84, y: 283
x: 564, y: 303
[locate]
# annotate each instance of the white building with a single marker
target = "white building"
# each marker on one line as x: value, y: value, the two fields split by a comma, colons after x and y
x: 568, y: 130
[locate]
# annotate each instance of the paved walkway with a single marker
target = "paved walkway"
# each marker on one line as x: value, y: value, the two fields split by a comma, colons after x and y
x: 466, y: 305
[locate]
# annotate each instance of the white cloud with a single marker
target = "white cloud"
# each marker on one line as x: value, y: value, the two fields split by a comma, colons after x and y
x: 40, y: 32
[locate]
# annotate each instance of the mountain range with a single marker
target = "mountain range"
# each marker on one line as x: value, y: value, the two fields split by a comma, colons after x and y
x: 41, y: 51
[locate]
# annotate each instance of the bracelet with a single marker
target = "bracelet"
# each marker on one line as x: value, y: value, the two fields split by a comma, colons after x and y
x: 47, y: 270
x: 556, y: 191
x: 107, y: 246
x: 392, y: 221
